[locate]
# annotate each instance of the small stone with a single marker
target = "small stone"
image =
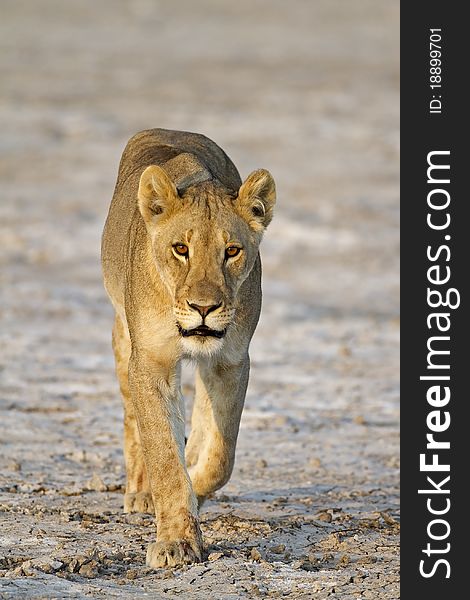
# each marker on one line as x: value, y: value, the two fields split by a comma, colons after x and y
x: 280, y: 500
x: 324, y: 516
x: 96, y: 484
x: 117, y: 556
x: 279, y: 420
x: 131, y: 574
x: 27, y: 568
x: 388, y: 518
x: 359, y: 420
x: 315, y: 462
x: 64, y: 516
x: 116, y: 487
x: 344, y: 351
x: 278, y: 549
x: 393, y: 462
x: 257, y: 591
x: 167, y: 574
x: 307, y: 565
x: 343, y: 561
x: 48, y: 565
x: 82, y: 559
x: 312, y: 558
x: 56, y: 565
x: 255, y: 554
x: 40, y: 533
x: 73, y: 565
x: 70, y: 491
x: 89, y: 569
x: 215, y: 556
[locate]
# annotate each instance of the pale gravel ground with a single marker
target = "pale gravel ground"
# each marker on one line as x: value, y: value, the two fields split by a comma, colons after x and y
x: 308, y: 90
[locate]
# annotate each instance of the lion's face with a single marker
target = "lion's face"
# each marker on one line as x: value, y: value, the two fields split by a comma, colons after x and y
x: 205, y: 243
x: 203, y: 263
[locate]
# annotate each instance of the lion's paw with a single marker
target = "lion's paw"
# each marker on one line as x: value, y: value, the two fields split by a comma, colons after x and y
x: 138, y: 502
x: 173, y: 554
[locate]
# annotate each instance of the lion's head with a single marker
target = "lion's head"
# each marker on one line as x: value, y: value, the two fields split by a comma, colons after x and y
x: 205, y: 242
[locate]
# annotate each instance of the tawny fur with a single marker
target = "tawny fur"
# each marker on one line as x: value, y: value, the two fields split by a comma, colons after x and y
x: 181, y: 188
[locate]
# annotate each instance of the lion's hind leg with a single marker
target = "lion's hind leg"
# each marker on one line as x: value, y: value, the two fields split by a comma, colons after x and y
x: 137, y: 497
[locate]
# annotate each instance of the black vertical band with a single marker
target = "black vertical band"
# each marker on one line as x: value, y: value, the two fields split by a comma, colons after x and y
x: 435, y: 253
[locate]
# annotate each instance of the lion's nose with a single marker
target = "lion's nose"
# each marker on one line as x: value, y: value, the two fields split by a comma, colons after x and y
x: 204, y: 310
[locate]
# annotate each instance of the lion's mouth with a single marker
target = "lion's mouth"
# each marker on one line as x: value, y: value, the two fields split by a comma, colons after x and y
x: 202, y: 331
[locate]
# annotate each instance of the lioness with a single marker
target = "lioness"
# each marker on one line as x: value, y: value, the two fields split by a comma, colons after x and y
x: 182, y: 269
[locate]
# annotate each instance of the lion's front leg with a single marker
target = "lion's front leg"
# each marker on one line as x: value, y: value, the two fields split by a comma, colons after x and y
x: 158, y: 410
x: 220, y: 395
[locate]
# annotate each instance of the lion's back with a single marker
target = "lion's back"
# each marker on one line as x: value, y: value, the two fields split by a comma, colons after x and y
x: 158, y: 146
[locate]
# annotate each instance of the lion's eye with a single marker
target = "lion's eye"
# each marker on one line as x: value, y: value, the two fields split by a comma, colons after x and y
x: 181, y: 249
x: 232, y: 251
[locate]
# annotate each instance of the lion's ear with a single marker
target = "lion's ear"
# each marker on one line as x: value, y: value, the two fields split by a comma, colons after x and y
x: 157, y: 193
x: 256, y: 199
